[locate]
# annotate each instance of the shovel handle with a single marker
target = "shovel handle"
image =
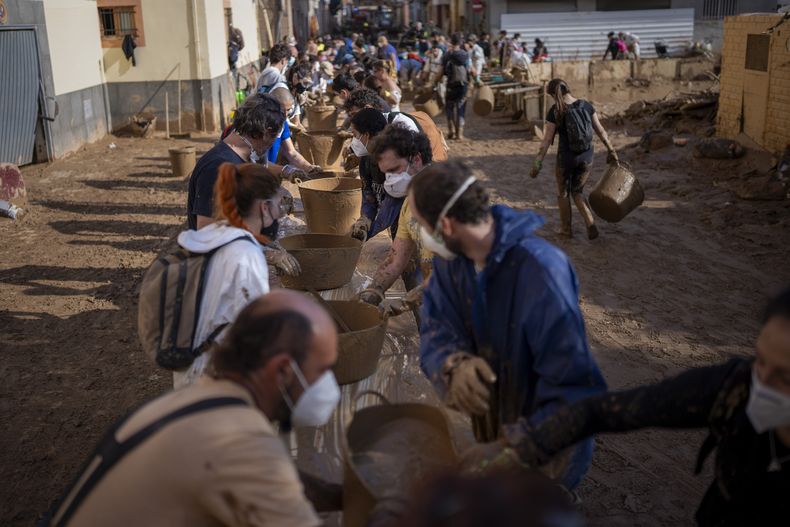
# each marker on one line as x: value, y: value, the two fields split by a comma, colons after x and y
x: 369, y: 392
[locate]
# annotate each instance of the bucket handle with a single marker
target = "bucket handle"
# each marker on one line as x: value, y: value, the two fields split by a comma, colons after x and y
x: 326, y: 305
x: 369, y: 392
x: 298, y: 180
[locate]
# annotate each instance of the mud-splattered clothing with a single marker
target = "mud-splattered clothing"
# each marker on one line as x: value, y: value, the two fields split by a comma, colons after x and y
x: 225, y: 466
x: 569, y: 159
x: 521, y: 314
x: 378, y: 206
x: 743, y: 492
x: 409, y: 229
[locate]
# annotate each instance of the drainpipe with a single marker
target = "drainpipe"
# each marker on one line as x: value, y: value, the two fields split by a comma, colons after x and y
x: 198, y: 64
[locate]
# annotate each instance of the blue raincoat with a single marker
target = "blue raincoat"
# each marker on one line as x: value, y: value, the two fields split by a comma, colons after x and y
x: 521, y: 313
x: 382, y: 209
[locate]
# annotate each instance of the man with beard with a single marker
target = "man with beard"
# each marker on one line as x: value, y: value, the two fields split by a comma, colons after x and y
x: 210, y: 454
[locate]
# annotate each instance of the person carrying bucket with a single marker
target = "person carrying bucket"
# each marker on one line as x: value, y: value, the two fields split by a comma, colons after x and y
x: 574, y: 120
x: 502, y: 334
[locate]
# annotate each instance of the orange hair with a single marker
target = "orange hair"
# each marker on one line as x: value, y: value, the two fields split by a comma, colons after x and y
x: 236, y: 190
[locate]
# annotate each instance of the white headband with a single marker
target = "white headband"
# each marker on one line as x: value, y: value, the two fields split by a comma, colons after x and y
x: 450, y: 202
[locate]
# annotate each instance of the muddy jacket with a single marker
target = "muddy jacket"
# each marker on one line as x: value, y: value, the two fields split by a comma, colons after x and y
x: 521, y: 314
x: 744, y: 491
x: 382, y: 209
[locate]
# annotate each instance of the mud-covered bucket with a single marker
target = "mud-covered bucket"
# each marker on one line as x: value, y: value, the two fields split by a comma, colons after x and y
x: 327, y: 260
x: 182, y: 159
x: 321, y: 118
x: 388, y: 449
x: 484, y: 101
x: 616, y: 194
x: 426, y: 102
x: 359, y: 348
x: 331, y: 205
x: 323, y: 148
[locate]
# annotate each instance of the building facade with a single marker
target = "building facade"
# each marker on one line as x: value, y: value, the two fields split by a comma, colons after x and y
x: 755, y: 80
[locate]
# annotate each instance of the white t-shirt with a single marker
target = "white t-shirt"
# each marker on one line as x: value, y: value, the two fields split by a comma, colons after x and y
x: 403, y: 121
x: 237, y: 275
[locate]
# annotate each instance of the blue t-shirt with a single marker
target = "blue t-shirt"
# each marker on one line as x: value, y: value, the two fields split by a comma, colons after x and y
x: 274, y: 150
x: 387, y: 51
x: 200, y: 199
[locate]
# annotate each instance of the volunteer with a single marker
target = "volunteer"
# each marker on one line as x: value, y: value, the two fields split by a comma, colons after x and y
x: 744, y: 404
x: 283, y: 140
x: 502, y: 335
x: 478, y: 58
x: 387, y: 87
x: 379, y: 210
x: 343, y: 84
x: 574, y: 120
x: 280, y: 59
x: 400, y: 154
x: 249, y: 201
x: 455, y: 66
x: 210, y: 453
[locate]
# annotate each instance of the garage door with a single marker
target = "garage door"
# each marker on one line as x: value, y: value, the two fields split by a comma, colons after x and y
x: 18, y: 95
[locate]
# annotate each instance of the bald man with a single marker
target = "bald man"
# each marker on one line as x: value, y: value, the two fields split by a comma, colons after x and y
x: 209, y: 453
x: 283, y: 141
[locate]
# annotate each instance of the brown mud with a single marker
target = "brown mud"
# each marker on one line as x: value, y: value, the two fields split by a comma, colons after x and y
x: 679, y: 283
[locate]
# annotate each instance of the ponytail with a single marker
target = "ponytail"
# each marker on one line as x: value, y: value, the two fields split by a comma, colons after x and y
x: 558, y: 88
x: 237, y: 189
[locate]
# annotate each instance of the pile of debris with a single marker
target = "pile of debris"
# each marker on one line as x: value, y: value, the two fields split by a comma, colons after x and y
x: 686, y: 113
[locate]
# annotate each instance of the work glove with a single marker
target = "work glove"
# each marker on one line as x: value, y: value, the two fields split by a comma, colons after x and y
x: 283, y: 261
x: 286, y: 201
x: 371, y: 295
x: 469, y: 377
x: 361, y: 228
x: 536, y: 166
x: 485, y: 457
x: 611, y: 158
x: 313, y: 170
x: 291, y: 174
x: 351, y: 162
x: 410, y: 301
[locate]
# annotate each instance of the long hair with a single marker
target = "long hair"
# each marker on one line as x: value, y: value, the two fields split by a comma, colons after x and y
x: 558, y: 88
x: 236, y: 190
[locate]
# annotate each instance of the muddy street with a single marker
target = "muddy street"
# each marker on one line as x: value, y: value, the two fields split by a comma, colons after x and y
x: 677, y: 284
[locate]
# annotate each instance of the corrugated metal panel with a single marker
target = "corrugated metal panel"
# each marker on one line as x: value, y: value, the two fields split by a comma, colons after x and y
x: 18, y: 95
x: 582, y: 35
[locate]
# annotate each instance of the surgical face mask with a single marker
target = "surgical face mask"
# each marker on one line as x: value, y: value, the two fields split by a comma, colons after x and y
x: 254, y: 157
x: 317, y: 402
x: 434, y: 241
x: 396, y: 184
x: 767, y: 408
x: 358, y: 147
x: 291, y: 61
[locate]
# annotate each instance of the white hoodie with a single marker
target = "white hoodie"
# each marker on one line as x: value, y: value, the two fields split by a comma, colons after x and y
x: 237, y: 275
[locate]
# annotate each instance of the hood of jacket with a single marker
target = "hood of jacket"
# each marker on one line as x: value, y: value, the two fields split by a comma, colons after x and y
x: 211, y: 236
x: 512, y: 227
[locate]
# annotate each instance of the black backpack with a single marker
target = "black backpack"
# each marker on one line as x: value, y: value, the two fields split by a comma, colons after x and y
x: 578, y: 127
x: 457, y: 75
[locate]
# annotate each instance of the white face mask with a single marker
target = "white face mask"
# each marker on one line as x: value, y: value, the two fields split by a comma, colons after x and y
x: 254, y: 157
x: 767, y: 408
x: 396, y: 184
x: 358, y: 147
x: 436, y: 245
x: 434, y: 242
x: 317, y: 402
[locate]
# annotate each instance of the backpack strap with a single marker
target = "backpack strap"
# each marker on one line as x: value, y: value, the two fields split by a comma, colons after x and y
x: 111, y: 452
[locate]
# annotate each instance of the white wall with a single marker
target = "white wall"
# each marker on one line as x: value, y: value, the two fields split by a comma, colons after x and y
x: 213, y: 46
x: 245, y: 17
x: 74, y: 44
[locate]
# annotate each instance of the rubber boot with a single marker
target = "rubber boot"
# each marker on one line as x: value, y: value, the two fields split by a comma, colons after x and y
x: 564, y: 204
x: 587, y: 215
x: 460, y: 132
x: 451, y: 129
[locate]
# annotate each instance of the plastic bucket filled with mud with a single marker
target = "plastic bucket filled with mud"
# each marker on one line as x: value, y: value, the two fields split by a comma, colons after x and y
x: 321, y: 118
x: 359, y: 347
x: 327, y: 260
x: 331, y: 205
x: 617, y: 194
x: 323, y: 148
x: 388, y: 449
x: 426, y: 102
x: 484, y: 101
x: 182, y: 159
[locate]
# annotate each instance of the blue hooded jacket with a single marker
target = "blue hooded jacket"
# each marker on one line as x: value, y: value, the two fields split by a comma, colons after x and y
x: 521, y: 313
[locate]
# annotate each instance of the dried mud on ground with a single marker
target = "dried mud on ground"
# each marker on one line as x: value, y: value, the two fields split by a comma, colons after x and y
x: 677, y: 284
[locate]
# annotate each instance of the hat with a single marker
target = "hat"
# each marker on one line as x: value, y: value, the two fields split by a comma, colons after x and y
x: 327, y: 68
